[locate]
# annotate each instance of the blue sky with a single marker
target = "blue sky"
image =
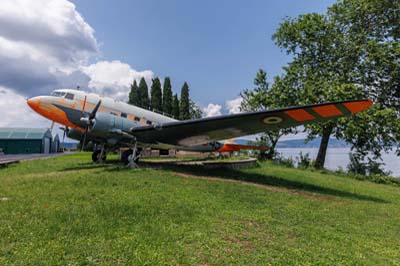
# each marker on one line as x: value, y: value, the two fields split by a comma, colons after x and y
x: 217, y: 46
x: 102, y: 45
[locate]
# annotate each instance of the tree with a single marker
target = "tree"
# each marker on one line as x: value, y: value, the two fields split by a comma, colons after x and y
x: 144, y: 94
x: 348, y: 53
x: 167, y: 97
x: 175, y: 106
x: 156, y: 97
x: 194, y: 110
x: 184, y: 106
x: 134, y: 98
x: 263, y: 97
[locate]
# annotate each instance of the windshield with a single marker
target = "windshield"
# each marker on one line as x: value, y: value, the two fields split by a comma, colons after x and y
x: 58, y: 94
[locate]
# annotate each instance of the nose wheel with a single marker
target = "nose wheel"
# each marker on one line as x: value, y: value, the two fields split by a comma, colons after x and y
x: 99, y: 156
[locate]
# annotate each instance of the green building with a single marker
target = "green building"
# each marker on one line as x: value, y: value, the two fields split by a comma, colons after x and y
x: 25, y: 140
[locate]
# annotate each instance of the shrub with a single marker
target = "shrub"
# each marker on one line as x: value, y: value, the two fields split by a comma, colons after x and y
x: 280, y: 159
x: 304, y: 160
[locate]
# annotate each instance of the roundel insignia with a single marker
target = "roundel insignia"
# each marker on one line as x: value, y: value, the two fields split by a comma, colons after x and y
x: 272, y: 120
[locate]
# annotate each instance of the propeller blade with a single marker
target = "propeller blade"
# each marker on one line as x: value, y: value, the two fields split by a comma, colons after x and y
x: 52, y: 125
x: 65, y: 133
x: 96, y: 108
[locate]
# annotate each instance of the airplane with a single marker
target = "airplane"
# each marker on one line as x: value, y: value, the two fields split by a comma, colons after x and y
x: 218, y: 147
x: 112, y: 124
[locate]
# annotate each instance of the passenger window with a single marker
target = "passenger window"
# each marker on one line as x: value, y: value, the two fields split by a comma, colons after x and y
x: 69, y: 96
x: 137, y: 118
x: 148, y: 122
x: 124, y: 115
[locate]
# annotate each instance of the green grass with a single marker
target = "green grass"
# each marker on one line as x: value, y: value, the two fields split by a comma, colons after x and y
x: 68, y: 211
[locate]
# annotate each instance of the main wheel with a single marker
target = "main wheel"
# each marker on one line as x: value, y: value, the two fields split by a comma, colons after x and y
x: 96, y: 156
x: 126, y: 156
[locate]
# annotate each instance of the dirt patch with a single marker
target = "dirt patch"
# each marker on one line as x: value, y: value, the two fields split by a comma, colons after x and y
x: 245, y: 244
x: 267, y: 187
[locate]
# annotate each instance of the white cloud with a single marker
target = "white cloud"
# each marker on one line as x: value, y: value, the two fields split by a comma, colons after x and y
x: 113, y: 78
x: 41, y: 43
x: 18, y: 113
x: 233, y: 106
x: 212, y: 110
x: 44, y: 45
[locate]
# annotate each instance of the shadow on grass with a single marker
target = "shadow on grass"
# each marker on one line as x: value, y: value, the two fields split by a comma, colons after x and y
x: 232, y: 174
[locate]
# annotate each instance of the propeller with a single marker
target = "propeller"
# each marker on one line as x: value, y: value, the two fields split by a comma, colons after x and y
x: 88, y: 120
x: 65, y: 130
x: 52, y: 125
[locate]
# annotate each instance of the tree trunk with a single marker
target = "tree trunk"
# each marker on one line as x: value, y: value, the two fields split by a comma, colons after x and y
x: 271, y: 151
x: 320, y: 160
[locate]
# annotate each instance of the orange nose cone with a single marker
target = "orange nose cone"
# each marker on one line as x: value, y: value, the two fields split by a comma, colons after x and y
x: 34, y: 103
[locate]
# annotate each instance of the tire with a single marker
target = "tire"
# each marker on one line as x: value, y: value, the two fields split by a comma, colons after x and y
x: 125, y: 156
x: 96, y: 156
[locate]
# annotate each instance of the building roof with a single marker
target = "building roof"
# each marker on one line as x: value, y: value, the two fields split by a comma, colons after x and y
x: 25, y: 133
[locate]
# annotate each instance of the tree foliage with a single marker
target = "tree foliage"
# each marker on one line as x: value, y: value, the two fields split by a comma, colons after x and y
x: 184, y: 105
x: 167, y: 97
x: 144, y: 94
x: 194, y: 110
x: 134, y: 94
x: 175, y: 106
x: 156, y: 96
x: 264, y: 97
x: 350, y: 52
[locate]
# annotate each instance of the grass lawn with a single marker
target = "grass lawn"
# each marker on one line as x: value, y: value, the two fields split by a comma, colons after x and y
x: 68, y: 211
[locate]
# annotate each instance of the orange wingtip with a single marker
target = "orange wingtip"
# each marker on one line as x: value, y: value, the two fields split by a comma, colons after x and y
x: 300, y: 115
x: 358, y: 106
x: 327, y: 110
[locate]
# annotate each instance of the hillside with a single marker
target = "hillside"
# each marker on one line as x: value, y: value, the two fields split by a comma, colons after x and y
x: 301, y: 143
x: 66, y: 210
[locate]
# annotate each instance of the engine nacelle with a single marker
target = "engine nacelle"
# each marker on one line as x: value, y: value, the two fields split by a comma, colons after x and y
x: 105, y: 125
x: 74, y: 134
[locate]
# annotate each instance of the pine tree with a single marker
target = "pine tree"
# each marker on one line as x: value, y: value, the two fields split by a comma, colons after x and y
x: 144, y: 94
x: 167, y: 97
x: 156, y: 97
x: 184, y: 107
x: 175, y: 106
x: 134, y: 94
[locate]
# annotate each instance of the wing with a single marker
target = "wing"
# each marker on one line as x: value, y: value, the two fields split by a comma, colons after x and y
x: 199, y: 131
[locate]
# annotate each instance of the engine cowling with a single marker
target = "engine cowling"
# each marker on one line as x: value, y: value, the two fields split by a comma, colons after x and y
x: 105, y: 125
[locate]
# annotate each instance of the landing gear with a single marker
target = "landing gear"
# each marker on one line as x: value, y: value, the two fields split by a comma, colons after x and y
x: 128, y: 159
x: 131, y: 157
x: 99, y: 156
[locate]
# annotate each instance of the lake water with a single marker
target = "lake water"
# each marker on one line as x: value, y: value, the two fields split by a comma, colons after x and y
x: 339, y: 157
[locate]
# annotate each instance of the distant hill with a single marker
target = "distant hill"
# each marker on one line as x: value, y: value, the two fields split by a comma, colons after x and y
x: 301, y: 143
x: 69, y: 145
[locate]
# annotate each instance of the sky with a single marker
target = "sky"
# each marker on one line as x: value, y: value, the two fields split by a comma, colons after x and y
x: 102, y: 45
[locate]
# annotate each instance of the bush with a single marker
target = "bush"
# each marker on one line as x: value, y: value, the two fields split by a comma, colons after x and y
x: 370, y: 168
x: 304, y: 160
x: 279, y: 159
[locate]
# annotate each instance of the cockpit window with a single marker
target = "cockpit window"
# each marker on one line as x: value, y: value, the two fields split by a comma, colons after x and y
x: 58, y: 93
x: 69, y: 96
